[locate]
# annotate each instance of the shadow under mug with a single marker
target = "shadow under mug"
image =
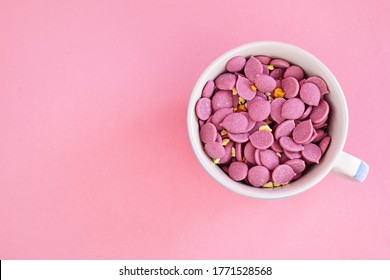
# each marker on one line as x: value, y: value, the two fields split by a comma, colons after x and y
x: 334, y: 160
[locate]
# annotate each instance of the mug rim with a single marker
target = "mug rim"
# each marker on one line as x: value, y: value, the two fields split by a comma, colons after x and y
x: 221, y: 177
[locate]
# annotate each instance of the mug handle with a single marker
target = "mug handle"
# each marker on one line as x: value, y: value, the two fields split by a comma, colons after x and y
x: 350, y: 167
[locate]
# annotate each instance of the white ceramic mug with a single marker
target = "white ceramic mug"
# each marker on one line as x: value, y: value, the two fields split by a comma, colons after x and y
x: 335, y: 160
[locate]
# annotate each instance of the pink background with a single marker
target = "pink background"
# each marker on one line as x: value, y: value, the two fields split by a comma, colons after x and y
x: 95, y: 160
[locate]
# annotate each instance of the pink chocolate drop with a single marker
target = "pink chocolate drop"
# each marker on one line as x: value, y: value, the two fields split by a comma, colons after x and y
x: 257, y: 157
x: 320, y: 83
x: 262, y: 139
x: 222, y: 99
x: 310, y: 94
x: 306, y: 113
x: 214, y: 149
x: 238, y: 148
x: 238, y: 137
x: 293, y: 109
x: 259, y: 110
x: 235, y: 64
x: 263, y: 59
x: 312, y: 153
x: 324, y: 144
x: 225, y: 81
x: 208, y: 133
x: 219, y: 115
x: 258, y: 176
x: 235, y: 123
x: 203, y: 108
x: 294, y: 71
x: 269, y: 159
x: 284, y: 129
x: 283, y: 174
x: 289, y: 144
x: 303, y: 132
x: 238, y: 170
x: 265, y: 83
x: 208, y: 89
x: 320, y: 113
x: 297, y: 165
x: 252, y: 68
x: 280, y: 63
x: 249, y: 153
x: 244, y: 89
x: 276, y: 147
x: 228, y: 153
x: 290, y: 86
x: 277, y: 73
x: 276, y: 109
x: 292, y: 155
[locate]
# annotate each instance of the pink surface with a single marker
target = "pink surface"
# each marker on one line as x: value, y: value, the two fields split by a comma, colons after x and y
x: 95, y: 160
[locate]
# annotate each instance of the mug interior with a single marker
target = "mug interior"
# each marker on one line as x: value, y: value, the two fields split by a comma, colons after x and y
x: 337, y: 122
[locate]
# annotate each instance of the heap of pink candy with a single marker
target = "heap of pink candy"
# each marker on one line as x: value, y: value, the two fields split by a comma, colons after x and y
x: 264, y: 121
